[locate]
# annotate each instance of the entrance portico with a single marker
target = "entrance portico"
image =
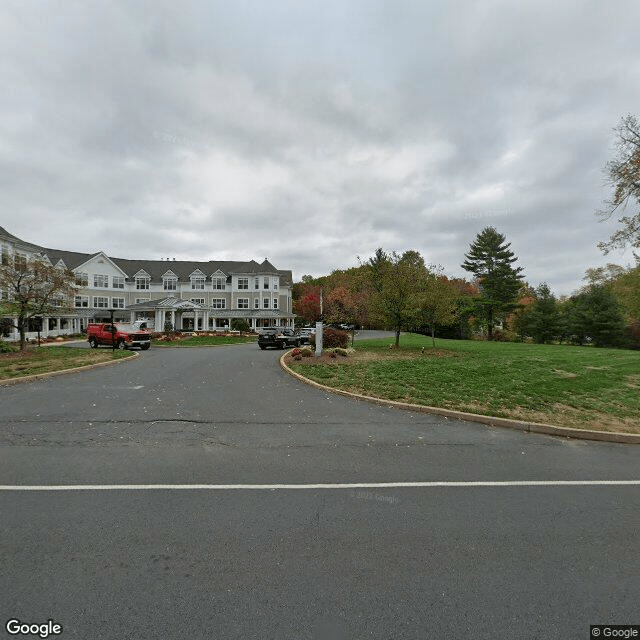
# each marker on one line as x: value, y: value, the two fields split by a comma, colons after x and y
x: 184, y: 315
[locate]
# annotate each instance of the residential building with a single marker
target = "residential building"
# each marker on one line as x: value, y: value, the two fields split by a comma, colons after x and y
x: 188, y: 295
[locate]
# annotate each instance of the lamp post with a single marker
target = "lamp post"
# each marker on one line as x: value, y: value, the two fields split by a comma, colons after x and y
x: 319, y: 329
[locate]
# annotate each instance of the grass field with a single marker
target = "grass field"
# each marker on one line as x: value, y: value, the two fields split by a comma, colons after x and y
x: 47, y: 359
x: 205, y: 341
x: 580, y: 387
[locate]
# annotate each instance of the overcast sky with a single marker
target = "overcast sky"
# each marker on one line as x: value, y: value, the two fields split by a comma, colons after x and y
x: 310, y: 133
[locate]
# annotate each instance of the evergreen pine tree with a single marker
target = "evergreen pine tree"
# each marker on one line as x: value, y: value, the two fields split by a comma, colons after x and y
x: 490, y: 260
x: 542, y: 320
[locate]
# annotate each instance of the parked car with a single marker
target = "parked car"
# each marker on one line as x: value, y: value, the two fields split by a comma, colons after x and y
x: 120, y: 336
x: 278, y: 337
x: 305, y: 334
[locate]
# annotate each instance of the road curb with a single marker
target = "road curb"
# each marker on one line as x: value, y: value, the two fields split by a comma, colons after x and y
x: 521, y: 425
x: 51, y: 374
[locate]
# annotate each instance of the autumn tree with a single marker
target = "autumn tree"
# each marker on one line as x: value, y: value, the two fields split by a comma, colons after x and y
x: 33, y: 288
x: 437, y: 301
x: 623, y: 175
x: 396, y: 281
x: 490, y: 260
x: 627, y: 289
x: 307, y: 306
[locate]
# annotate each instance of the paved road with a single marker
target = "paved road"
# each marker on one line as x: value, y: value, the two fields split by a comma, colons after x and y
x: 369, y: 562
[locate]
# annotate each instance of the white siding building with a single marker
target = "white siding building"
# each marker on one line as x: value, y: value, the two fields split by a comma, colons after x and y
x: 188, y: 295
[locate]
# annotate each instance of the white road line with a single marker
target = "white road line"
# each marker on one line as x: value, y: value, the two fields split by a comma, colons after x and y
x: 296, y: 487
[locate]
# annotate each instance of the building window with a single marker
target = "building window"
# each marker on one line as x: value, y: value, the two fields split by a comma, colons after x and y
x: 99, y: 302
x: 117, y: 282
x: 265, y: 303
x: 219, y: 303
x: 256, y: 283
x: 5, y: 254
x: 243, y: 303
x: 197, y: 282
x: 100, y: 281
x: 81, y: 301
x: 266, y: 282
x: 219, y: 283
x: 197, y: 300
x: 117, y: 303
x: 20, y: 261
x: 82, y: 279
x: 170, y: 284
x: 57, y: 302
x: 256, y: 303
x: 275, y: 283
x: 142, y: 282
x: 275, y: 303
x: 243, y: 283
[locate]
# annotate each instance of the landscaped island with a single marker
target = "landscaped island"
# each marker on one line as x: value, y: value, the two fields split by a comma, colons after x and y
x: 578, y: 387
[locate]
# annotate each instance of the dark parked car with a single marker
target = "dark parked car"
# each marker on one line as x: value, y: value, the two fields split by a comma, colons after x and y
x: 278, y: 337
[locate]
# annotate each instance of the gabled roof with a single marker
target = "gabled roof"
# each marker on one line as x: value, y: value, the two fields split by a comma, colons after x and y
x: 156, y: 268
x: 166, y: 303
x: 101, y: 255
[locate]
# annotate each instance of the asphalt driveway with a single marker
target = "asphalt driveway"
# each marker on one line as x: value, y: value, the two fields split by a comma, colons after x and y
x: 303, y: 555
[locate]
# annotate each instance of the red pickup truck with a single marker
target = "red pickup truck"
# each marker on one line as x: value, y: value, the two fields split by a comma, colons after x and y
x: 122, y: 336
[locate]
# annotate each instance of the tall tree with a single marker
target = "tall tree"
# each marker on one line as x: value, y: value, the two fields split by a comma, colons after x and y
x: 33, y: 288
x: 541, y: 320
x: 623, y: 175
x: 438, y: 301
x: 595, y: 313
x: 396, y: 281
x: 627, y: 289
x: 490, y: 260
x: 307, y: 306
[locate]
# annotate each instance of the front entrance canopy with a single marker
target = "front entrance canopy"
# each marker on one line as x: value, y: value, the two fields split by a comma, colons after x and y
x: 176, y: 311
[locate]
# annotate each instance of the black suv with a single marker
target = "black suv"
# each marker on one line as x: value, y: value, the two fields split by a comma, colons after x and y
x: 278, y: 337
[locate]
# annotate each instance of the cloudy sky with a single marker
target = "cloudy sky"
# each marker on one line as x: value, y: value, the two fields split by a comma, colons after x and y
x: 311, y: 133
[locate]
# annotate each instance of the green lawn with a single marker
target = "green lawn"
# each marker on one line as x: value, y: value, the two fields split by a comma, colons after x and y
x: 205, y: 341
x: 580, y: 387
x: 46, y: 359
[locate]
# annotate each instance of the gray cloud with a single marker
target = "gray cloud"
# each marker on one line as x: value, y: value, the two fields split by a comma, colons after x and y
x: 311, y: 134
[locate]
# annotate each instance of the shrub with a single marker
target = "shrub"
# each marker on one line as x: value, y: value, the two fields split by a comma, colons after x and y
x: 5, y: 347
x: 296, y: 352
x: 306, y: 352
x: 332, y: 338
x: 342, y: 352
x: 238, y: 324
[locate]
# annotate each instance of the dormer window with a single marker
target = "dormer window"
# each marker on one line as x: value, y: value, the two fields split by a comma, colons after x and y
x: 170, y: 283
x: 142, y: 282
x: 197, y: 282
x: 219, y: 284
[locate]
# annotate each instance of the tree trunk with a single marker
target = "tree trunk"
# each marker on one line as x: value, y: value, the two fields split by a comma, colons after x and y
x: 433, y: 337
x: 21, y: 330
x: 490, y: 323
x: 397, y: 337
